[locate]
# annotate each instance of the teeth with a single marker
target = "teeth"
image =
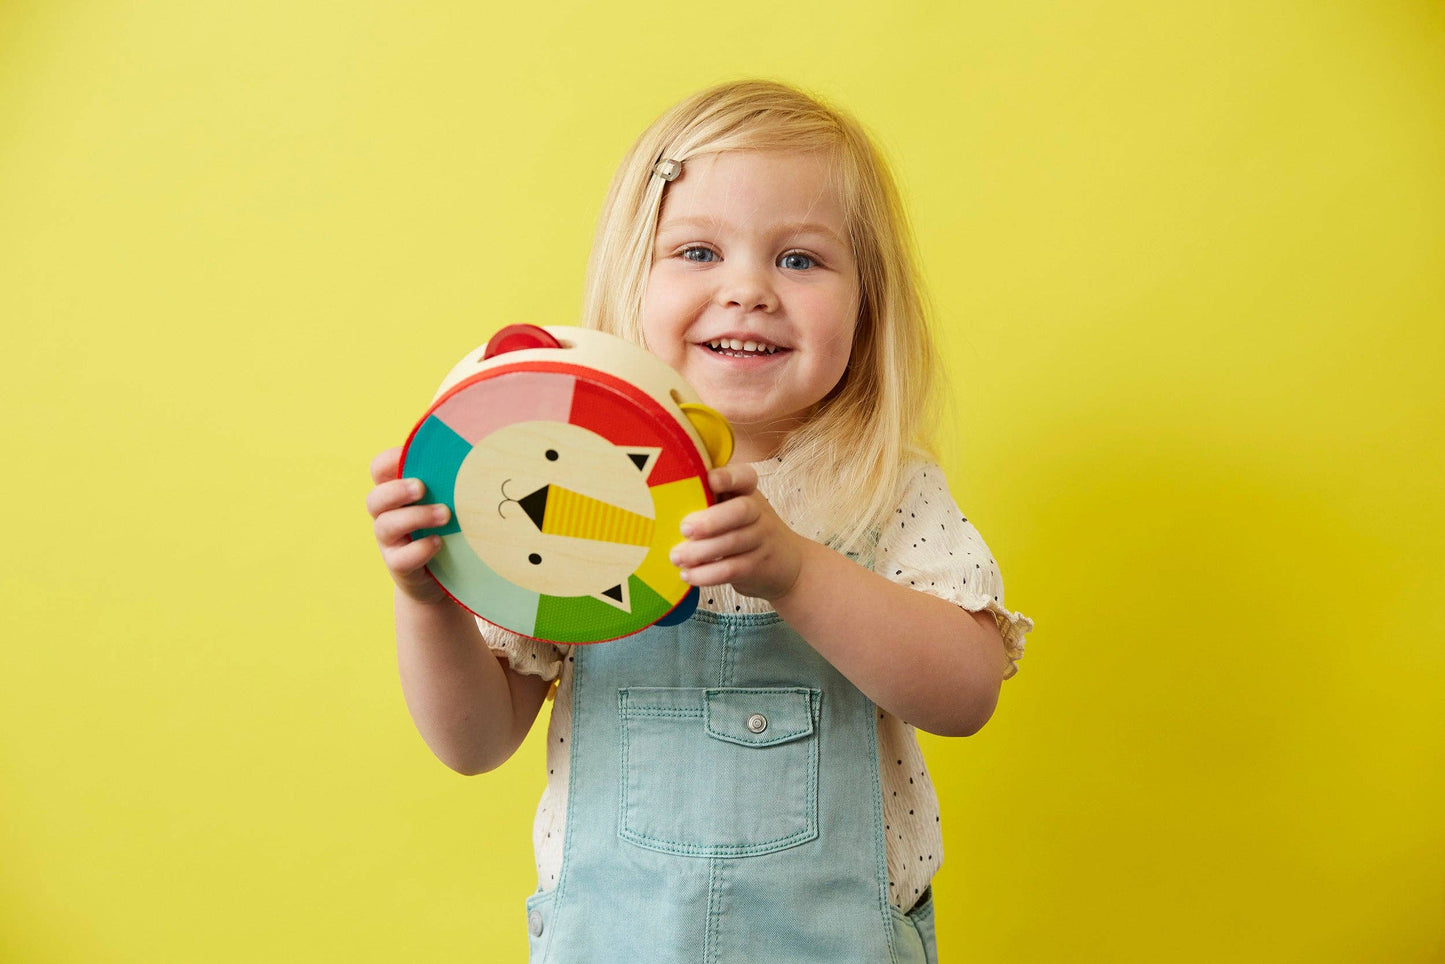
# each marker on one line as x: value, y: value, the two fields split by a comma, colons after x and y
x: 734, y: 344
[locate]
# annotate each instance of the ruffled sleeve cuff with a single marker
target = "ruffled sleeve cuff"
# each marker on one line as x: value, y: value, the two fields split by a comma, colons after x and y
x: 526, y: 656
x: 1014, y: 626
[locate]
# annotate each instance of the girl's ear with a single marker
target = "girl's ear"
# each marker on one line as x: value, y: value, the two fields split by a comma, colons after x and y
x: 717, y: 434
x: 518, y: 337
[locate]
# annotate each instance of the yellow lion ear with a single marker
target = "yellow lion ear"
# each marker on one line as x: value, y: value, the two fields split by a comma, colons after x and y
x: 716, y: 433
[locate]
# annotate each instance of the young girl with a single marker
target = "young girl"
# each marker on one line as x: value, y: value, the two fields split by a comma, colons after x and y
x: 746, y: 786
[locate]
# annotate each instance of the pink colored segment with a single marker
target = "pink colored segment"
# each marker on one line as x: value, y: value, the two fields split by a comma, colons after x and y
x: 477, y: 410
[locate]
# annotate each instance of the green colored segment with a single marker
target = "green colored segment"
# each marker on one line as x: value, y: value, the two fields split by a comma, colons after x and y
x: 582, y: 619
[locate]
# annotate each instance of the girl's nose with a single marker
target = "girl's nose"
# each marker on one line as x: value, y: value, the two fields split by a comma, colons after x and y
x: 749, y: 288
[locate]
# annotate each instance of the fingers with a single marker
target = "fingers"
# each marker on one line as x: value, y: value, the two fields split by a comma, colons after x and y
x: 386, y: 465
x: 393, y: 495
x: 718, y: 573
x: 738, y: 541
x: 722, y: 517
x: 723, y: 539
x: 395, y: 526
x: 404, y: 555
x: 395, y: 516
x: 406, y: 559
x: 698, y: 552
x: 731, y: 481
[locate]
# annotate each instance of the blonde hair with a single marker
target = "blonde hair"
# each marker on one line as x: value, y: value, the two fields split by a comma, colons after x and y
x: 852, y: 450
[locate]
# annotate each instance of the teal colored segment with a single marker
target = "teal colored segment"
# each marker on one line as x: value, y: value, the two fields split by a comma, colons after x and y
x: 582, y: 619
x: 476, y: 586
x: 434, y: 456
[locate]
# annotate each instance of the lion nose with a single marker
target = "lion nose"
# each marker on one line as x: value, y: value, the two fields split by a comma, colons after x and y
x: 556, y: 511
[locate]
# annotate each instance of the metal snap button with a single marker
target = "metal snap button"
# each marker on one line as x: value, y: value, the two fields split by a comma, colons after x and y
x: 757, y: 723
x: 534, y: 923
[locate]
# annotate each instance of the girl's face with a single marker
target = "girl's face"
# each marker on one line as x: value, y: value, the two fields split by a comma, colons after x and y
x: 753, y: 291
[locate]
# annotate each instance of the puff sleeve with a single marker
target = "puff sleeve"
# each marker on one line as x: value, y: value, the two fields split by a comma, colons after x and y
x: 931, y: 546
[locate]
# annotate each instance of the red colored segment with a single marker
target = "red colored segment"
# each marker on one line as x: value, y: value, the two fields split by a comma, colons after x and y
x: 624, y: 415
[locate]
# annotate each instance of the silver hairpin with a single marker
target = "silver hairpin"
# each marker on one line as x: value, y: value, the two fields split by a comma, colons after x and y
x: 667, y: 169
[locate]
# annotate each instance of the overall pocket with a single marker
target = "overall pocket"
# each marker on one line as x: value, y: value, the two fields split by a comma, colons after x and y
x: 719, y: 772
x: 914, y: 936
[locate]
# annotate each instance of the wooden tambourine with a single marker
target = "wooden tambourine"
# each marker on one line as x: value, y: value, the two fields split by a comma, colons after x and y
x: 568, y: 458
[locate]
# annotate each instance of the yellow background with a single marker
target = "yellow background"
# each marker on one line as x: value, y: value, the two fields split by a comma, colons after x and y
x: 1189, y: 260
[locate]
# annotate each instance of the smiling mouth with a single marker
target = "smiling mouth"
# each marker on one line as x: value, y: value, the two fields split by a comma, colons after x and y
x: 736, y: 348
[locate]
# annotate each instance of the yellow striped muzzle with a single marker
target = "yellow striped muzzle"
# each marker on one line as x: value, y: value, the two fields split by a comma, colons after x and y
x: 561, y: 512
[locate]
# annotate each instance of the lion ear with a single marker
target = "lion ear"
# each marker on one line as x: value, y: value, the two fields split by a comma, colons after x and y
x: 716, y: 433
x: 643, y: 458
x: 517, y: 338
x: 618, y: 596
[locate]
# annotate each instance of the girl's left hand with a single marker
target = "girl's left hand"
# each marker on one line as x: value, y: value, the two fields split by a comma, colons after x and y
x: 740, y: 540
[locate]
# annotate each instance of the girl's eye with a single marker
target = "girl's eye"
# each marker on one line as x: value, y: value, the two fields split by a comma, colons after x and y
x: 699, y: 254
x: 796, y: 261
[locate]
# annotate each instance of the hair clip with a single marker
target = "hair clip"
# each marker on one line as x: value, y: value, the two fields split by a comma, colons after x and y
x: 667, y: 169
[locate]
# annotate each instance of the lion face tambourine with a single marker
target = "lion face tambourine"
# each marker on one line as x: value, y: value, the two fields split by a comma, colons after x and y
x: 568, y: 458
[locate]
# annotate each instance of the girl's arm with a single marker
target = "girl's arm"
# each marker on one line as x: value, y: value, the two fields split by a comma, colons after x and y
x: 472, y: 710
x: 921, y: 658
x: 917, y: 656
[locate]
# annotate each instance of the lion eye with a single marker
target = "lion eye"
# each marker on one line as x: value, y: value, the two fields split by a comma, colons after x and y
x: 535, y: 559
x: 551, y: 455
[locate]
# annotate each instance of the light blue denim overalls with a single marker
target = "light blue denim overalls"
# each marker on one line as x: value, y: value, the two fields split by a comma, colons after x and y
x: 724, y: 808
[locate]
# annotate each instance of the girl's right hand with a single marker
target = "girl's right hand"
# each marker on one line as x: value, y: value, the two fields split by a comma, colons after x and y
x: 395, y: 516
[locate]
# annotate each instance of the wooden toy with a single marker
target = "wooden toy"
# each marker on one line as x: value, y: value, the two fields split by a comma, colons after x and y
x: 568, y: 458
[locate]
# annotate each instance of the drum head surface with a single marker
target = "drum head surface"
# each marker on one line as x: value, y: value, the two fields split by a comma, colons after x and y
x: 566, y: 487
